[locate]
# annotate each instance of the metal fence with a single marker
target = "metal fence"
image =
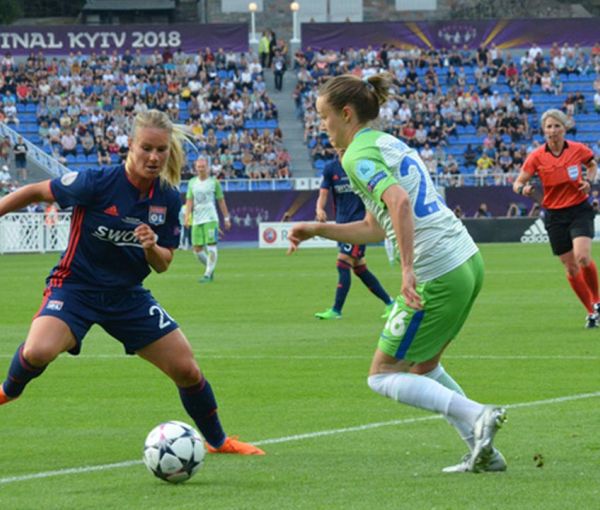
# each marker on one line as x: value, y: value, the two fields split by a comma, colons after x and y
x: 34, y: 232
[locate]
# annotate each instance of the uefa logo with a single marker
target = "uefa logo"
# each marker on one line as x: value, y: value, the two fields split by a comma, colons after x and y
x: 270, y: 235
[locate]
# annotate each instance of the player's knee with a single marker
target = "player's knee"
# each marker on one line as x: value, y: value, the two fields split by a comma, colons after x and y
x: 377, y: 383
x: 572, y: 269
x: 39, y: 356
x: 359, y: 269
x: 186, y: 374
x: 583, y: 260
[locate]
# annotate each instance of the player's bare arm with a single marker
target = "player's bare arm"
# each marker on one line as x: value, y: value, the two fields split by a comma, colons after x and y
x: 38, y: 192
x: 358, y: 232
x: 225, y: 213
x: 398, y: 204
x: 521, y: 185
x: 320, y: 214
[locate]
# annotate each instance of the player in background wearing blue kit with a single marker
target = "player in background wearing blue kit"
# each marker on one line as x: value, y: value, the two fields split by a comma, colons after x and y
x: 124, y: 223
x: 351, y: 257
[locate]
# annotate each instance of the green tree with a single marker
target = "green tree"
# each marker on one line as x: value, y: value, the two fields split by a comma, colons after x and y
x: 10, y: 10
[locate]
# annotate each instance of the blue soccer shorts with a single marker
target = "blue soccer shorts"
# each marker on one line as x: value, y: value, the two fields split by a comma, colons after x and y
x: 133, y: 317
x: 356, y: 251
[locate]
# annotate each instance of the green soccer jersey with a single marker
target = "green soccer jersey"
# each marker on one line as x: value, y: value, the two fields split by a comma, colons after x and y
x: 204, y: 194
x: 374, y: 161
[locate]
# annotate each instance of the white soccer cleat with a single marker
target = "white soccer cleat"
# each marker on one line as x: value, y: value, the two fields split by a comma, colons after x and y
x: 486, y: 426
x: 493, y: 463
x: 592, y: 320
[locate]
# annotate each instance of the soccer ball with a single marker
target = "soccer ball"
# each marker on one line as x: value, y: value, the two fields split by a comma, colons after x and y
x: 174, y: 451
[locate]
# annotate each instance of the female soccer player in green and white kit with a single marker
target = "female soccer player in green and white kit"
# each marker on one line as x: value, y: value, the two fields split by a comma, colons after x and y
x: 201, y: 215
x: 442, y: 269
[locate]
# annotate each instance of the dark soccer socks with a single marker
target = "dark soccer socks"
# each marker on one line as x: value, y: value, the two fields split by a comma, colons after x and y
x: 200, y: 403
x: 20, y: 373
x: 372, y: 283
x: 343, y: 286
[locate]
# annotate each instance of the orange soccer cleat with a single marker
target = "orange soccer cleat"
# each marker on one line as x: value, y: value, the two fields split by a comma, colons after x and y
x: 232, y: 445
x: 3, y: 397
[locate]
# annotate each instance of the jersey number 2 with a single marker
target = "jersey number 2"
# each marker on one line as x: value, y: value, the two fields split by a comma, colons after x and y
x: 421, y: 208
x: 164, y: 319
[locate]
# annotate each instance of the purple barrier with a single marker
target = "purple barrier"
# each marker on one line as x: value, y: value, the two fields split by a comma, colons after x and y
x: 60, y: 40
x: 497, y: 198
x: 247, y: 210
x: 518, y: 33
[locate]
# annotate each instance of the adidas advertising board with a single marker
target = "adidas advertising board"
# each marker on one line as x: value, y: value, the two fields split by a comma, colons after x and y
x: 536, y: 232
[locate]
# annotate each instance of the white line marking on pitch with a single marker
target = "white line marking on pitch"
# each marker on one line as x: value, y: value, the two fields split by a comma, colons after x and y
x: 287, y: 439
x: 285, y: 357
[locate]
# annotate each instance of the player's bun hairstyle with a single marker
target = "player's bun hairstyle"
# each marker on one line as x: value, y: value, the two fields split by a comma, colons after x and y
x: 558, y: 115
x: 364, y: 95
x: 178, y: 134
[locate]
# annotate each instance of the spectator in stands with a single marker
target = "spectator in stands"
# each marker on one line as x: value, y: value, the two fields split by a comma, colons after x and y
x: 484, y: 167
x: 68, y: 143
x: 470, y: 156
x: 279, y: 68
x: 264, y: 49
x: 103, y: 154
x: 87, y: 143
x: 5, y: 149
x: 458, y: 212
x: 482, y: 211
x: 20, y: 151
x: 10, y: 112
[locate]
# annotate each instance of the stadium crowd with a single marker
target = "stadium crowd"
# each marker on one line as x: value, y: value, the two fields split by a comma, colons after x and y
x: 82, y: 106
x: 442, y: 95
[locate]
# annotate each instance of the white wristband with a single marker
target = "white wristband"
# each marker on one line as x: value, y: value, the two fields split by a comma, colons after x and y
x: 226, y: 218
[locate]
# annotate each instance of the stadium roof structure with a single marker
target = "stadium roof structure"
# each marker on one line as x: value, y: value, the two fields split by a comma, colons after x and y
x: 129, y: 5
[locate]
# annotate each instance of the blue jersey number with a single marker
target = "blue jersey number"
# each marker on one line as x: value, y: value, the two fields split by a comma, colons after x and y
x: 422, y: 208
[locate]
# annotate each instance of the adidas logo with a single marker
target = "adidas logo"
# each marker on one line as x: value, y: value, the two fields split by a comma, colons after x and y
x: 112, y: 211
x: 536, y: 233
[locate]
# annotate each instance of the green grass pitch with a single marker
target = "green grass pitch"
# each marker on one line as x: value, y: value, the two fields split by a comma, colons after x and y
x: 297, y: 386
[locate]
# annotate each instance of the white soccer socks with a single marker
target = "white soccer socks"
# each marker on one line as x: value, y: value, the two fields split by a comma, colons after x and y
x: 425, y: 393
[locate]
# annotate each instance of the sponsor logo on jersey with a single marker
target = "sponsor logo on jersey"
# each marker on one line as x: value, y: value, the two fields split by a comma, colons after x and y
x: 112, y: 211
x: 343, y: 188
x: 536, y: 233
x: 117, y: 237
x: 157, y: 215
x: 131, y: 221
x: 55, y: 304
x: 69, y: 178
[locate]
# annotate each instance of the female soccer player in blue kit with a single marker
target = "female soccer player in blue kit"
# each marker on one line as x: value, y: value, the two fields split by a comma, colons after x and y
x: 125, y: 222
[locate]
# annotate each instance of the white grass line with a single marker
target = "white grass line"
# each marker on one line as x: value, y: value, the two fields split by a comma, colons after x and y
x: 499, y: 357
x: 70, y: 471
x: 297, y: 437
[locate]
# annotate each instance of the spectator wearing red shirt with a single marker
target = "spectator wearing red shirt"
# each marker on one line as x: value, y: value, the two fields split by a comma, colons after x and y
x: 569, y: 218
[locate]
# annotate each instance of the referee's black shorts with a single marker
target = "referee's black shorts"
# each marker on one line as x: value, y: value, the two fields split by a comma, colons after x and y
x: 563, y: 225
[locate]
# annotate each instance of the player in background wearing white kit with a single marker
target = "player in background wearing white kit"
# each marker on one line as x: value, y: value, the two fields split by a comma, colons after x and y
x: 201, y: 213
x: 442, y: 269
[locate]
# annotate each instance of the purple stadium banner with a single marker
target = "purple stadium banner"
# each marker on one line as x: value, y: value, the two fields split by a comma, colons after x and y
x: 507, y: 34
x: 497, y: 198
x: 247, y: 210
x: 60, y: 40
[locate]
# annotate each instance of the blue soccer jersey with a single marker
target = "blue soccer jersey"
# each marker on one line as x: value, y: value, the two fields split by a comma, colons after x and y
x: 347, y: 205
x: 103, y: 252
